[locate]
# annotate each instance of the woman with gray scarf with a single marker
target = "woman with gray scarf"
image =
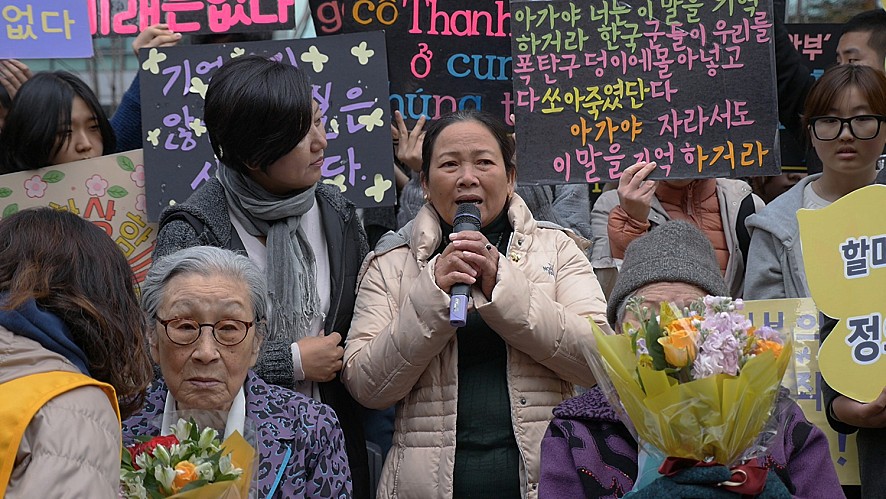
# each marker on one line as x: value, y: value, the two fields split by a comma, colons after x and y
x: 267, y: 201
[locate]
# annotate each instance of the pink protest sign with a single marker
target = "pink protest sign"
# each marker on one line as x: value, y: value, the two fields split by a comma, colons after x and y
x: 129, y: 17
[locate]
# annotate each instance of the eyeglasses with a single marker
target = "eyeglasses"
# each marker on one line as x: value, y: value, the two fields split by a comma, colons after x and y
x: 228, y: 332
x: 862, y: 127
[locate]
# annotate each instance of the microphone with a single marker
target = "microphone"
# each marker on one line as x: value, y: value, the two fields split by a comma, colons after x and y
x: 467, y: 217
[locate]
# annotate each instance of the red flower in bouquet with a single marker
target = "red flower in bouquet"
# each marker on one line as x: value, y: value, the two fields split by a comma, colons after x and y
x: 149, y: 446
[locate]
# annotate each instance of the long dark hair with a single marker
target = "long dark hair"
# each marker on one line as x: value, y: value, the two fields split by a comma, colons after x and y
x: 39, y: 111
x: 72, y: 269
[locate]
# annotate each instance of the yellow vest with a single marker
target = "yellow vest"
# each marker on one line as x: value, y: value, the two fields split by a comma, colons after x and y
x: 23, y: 397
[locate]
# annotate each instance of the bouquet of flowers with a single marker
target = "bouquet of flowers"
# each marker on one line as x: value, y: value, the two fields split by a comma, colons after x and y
x: 698, y: 383
x: 187, y: 463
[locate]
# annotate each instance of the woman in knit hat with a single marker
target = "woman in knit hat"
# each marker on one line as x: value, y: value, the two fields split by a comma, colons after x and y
x: 589, y: 452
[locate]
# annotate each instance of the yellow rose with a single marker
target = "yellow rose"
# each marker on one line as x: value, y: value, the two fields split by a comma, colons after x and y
x: 679, y: 345
x: 185, y: 473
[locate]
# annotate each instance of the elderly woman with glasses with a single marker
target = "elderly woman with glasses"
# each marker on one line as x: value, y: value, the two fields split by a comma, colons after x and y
x: 206, y: 306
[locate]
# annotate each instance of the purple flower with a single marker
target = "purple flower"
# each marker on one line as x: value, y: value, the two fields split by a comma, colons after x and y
x: 719, y: 352
x: 641, y: 347
x: 768, y: 334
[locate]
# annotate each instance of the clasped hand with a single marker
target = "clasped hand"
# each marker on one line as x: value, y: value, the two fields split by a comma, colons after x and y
x: 468, y: 259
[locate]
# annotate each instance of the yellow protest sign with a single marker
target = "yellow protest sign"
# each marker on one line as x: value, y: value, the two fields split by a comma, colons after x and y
x: 109, y: 191
x: 799, y: 318
x: 844, y: 254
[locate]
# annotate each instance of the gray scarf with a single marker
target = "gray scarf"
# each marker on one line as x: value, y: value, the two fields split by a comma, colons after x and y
x: 291, y: 269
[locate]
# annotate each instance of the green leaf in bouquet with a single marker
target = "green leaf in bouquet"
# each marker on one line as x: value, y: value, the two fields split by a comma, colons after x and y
x: 195, y: 433
x: 656, y: 351
x: 196, y: 484
x: 126, y: 458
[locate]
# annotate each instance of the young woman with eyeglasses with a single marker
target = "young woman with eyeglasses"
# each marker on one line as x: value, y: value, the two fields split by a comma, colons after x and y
x: 846, y: 111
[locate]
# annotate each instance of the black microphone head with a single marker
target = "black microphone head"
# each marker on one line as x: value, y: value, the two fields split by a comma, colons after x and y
x: 467, y: 213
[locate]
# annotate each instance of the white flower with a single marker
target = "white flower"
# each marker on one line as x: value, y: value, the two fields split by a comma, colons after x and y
x: 134, y: 489
x: 204, y: 471
x: 226, y: 467
x: 206, y: 437
x: 165, y: 475
x: 162, y: 455
x: 181, y: 430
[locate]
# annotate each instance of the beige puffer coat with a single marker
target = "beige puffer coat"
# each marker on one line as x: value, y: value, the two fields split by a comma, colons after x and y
x: 71, y: 448
x: 401, y: 348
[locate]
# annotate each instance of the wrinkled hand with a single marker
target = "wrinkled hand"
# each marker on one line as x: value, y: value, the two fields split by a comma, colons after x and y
x: 408, y: 141
x: 855, y: 413
x: 157, y: 35
x: 13, y: 74
x: 635, y: 192
x: 469, y: 259
x: 321, y: 356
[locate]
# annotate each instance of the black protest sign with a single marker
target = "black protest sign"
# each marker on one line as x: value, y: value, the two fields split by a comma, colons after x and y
x: 444, y: 55
x: 349, y: 78
x: 327, y: 16
x: 109, y: 18
x: 598, y: 87
x: 816, y: 43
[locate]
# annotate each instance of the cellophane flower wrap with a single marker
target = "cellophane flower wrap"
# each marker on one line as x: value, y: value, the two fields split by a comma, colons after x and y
x: 698, y: 383
x: 188, y: 463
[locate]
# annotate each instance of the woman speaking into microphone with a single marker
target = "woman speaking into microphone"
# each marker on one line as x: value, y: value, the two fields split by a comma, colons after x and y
x: 473, y: 402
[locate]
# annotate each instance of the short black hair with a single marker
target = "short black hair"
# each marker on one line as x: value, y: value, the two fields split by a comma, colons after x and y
x: 494, y: 125
x: 873, y: 22
x: 38, y: 112
x: 257, y: 110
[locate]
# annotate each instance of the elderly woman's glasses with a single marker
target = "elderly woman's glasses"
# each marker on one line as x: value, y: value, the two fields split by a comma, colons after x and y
x: 228, y: 332
x: 862, y: 127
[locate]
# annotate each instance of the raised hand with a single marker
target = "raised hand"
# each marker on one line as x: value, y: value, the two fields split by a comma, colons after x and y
x: 13, y: 74
x: 469, y: 259
x: 635, y: 192
x: 157, y: 35
x: 408, y: 141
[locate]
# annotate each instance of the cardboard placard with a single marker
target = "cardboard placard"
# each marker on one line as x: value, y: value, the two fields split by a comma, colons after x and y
x: 598, y: 87
x: 349, y: 79
x: 34, y: 29
x: 844, y: 256
x: 799, y: 318
x: 108, y: 18
x: 444, y: 55
x: 109, y: 191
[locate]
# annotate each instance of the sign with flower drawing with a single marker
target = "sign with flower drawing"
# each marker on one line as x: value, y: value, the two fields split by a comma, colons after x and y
x: 108, y: 191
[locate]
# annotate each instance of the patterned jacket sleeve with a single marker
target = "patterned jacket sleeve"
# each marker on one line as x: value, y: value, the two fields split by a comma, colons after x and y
x: 328, y: 474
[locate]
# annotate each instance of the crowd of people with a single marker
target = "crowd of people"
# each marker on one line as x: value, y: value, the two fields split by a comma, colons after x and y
x: 274, y: 304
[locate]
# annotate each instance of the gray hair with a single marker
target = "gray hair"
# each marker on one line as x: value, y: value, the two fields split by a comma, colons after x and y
x: 205, y: 261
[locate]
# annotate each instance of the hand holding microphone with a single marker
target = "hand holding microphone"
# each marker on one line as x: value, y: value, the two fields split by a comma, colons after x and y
x: 467, y: 217
x: 468, y: 260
